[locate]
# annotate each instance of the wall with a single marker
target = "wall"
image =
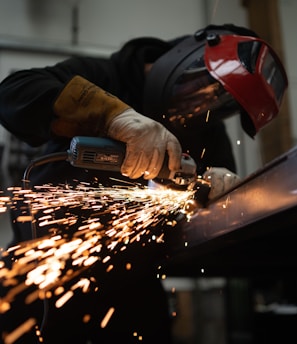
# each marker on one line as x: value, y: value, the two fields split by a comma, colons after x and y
x: 101, y: 23
x: 287, y: 12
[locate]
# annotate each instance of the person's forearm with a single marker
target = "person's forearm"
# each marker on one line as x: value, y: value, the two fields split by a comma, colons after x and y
x: 26, y: 99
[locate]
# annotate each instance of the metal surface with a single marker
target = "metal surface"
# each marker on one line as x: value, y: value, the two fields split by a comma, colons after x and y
x: 251, y: 227
x: 270, y: 190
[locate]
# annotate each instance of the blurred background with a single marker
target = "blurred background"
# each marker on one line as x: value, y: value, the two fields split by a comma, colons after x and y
x: 37, y: 33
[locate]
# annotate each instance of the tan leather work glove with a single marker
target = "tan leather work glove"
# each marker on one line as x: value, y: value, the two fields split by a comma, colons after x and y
x: 221, y: 180
x: 83, y: 108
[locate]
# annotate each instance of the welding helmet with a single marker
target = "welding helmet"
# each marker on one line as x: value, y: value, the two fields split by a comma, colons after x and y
x: 215, y: 73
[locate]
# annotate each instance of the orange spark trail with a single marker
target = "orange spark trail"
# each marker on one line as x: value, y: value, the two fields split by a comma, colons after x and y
x: 76, y: 228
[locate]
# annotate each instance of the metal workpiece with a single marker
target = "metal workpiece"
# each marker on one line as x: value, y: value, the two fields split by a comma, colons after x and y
x: 270, y: 190
x: 257, y: 216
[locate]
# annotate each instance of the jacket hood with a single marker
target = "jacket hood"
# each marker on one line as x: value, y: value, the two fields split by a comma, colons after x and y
x: 129, y: 62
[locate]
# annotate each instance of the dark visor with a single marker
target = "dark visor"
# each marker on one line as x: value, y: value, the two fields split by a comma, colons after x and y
x: 197, y: 93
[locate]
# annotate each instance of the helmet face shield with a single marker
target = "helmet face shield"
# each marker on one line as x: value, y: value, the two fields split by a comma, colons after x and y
x: 249, y: 70
x: 214, y: 77
x: 274, y: 76
x: 196, y: 93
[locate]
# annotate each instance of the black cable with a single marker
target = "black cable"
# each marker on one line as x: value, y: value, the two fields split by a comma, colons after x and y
x: 40, y: 161
x: 53, y: 157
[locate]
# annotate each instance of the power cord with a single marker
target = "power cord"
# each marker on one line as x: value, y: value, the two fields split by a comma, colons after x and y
x: 53, y: 157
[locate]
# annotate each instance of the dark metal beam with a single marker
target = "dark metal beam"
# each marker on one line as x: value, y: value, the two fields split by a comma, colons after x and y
x: 251, y: 229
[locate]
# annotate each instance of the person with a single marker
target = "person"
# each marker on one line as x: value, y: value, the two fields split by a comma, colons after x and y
x: 158, y: 97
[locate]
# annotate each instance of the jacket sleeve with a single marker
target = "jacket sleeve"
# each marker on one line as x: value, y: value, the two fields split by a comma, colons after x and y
x: 27, y: 96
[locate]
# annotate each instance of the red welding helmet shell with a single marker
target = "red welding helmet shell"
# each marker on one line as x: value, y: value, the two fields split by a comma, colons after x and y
x: 214, y: 74
x: 249, y: 69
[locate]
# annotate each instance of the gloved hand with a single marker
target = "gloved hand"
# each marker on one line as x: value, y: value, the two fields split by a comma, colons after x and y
x: 147, y: 142
x: 83, y: 108
x: 221, y: 180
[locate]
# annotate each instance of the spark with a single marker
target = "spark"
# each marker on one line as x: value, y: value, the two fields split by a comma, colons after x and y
x: 202, y: 154
x: 207, y: 116
x: 19, y: 331
x: 107, y: 317
x: 77, y: 227
x: 64, y: 299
